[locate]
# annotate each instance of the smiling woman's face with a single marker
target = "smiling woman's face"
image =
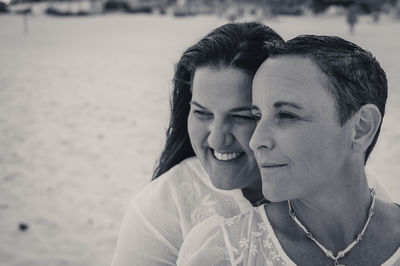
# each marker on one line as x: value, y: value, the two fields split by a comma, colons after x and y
x: 298, y: 143
x: 220, y: 126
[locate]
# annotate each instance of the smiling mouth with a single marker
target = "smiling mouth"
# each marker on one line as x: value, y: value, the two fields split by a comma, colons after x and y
x: 226, y: 156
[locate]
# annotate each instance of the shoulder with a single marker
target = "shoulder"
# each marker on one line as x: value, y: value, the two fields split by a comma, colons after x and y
x: 242, y: 222
x: 388, y: 219
x: 394, y: 260
x: 181, y: 193
x: 182, y: 174
x: 188, y: 170
x: 163, y: 197
x: 374, y: 182
x: 188, y: 167
x: 385, y: 230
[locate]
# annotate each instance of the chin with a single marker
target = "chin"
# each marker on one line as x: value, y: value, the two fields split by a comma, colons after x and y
x: 273, y: 198
x: 225, y: 182
x: 223, y: 185
x: 274, y: 195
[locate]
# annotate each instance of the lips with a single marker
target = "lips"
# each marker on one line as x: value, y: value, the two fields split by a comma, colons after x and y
x: 226, y: 156
x: 271, y: 165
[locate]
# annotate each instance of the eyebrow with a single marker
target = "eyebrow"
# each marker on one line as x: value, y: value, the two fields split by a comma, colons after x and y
x: 197, y: 104
x: 291, y: 104
x: 236, y: 109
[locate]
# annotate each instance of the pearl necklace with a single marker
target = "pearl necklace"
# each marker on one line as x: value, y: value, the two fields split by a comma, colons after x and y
x: 341, y: 253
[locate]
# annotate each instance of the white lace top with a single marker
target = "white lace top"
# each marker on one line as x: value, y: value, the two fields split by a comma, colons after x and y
x: 161, y: 216
x: 247, y: 239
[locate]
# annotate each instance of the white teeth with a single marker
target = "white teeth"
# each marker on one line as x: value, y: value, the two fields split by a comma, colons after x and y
x: 226, y: 156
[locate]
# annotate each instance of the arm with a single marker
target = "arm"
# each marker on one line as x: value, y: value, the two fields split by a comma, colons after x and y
x: 205, y: 245
x: 151, y: 231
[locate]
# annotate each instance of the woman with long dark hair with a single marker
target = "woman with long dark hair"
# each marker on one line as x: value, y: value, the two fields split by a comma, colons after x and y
x: 206, y: 167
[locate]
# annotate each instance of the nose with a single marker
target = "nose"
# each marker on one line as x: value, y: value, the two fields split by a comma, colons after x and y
x: 262, y: 138
x: 220, y: 135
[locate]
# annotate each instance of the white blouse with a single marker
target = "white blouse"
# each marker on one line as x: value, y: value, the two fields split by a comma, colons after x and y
x: 247, y: 239
x: 160, y: 217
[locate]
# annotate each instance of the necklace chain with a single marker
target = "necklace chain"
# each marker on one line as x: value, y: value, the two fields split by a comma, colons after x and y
x: 343, y: 252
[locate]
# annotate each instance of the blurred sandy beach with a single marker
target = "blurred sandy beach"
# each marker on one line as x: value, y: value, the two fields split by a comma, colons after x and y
x: 84, y: 103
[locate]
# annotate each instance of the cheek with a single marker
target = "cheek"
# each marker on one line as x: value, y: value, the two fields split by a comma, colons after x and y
x: 192, y: 129
x: 303, y: 148
x: 313, y: 151
x: 196, y: 130
x: 244, y: 133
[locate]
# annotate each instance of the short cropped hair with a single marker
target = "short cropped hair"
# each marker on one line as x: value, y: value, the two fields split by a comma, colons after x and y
x: 353, y: 74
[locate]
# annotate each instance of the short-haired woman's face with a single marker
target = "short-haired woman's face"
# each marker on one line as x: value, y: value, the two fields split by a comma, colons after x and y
x: 220, y: 126
x: 298, y: 143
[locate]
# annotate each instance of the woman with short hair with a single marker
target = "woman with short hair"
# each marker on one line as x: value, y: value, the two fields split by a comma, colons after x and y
x: 319, y: 102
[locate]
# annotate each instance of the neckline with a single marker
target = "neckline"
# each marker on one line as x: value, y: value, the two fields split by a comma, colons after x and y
x: 261, y: 209
x: 394, y: 258
x: 274, y: 238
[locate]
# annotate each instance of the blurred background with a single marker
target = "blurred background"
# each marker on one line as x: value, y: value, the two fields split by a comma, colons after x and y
x: 84, y: 104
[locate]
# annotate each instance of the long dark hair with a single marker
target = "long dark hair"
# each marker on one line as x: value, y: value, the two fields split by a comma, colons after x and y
x: 238, y: 45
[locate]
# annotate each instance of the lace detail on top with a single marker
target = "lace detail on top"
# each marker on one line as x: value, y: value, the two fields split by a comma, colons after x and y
x: 162, y: 215
x: 160, y: 218
x: 254, y: 244
x: 206, y: 203
x: 244, y: 240
x: 241, y: 240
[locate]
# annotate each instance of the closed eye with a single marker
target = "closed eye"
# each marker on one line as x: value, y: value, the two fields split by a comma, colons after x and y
x: 203, y: 115
x: 287, y: 115
x: 256, y: 116
x: 243, y: 117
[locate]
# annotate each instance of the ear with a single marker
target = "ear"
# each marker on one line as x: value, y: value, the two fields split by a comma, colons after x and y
x: 366, y: 124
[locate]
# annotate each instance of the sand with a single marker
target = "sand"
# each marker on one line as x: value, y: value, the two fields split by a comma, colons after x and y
x: 83, y: 109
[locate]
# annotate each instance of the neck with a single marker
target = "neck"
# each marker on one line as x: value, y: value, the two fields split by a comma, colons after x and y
x: 253, y: 194
x: 337, y: 214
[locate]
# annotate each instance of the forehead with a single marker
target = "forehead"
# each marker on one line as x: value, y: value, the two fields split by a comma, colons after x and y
x: 224, y: 87
x: 291, y: 78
